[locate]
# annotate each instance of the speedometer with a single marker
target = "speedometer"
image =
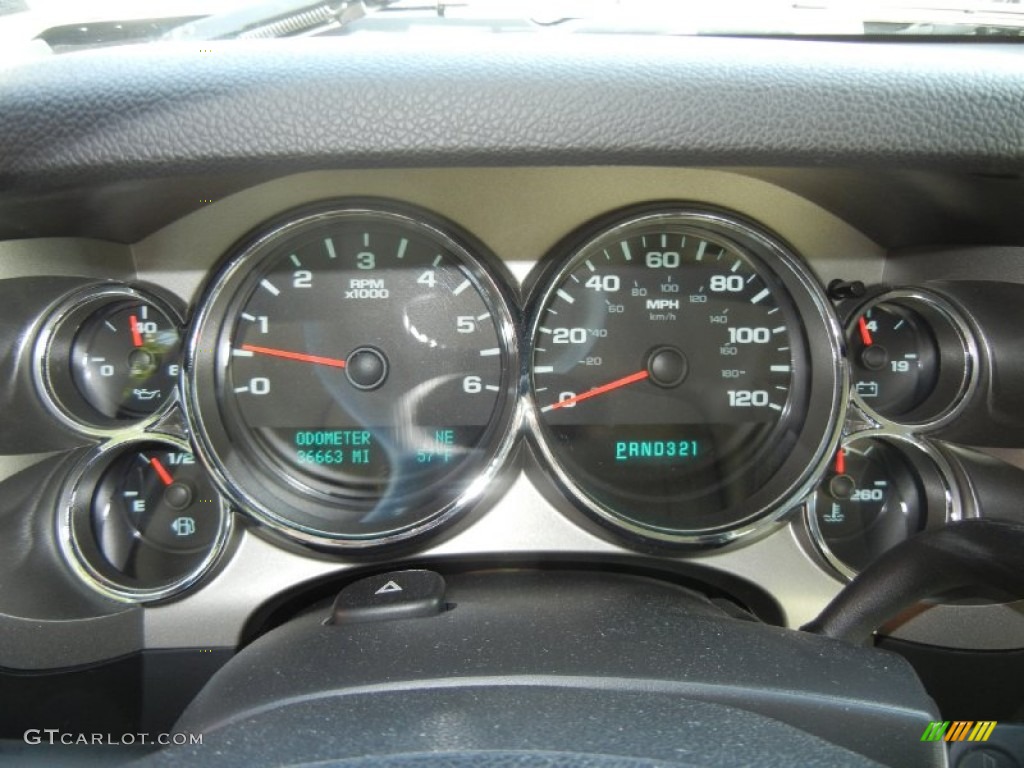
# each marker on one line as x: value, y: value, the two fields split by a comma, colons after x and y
x: 686, y: 376
x: 352, y: 375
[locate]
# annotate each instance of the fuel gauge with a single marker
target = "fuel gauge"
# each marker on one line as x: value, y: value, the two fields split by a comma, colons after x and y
x: 878, y: 492
x: 144, y: 520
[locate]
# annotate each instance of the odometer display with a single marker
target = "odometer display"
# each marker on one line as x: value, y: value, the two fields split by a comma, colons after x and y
x: 363, y: 378
x: 672, y: 374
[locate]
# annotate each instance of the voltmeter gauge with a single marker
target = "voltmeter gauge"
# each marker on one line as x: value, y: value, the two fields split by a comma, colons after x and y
x: 878, y: 492
x: 144, y: 520
x: 912, y: 358
x: 110, y: 357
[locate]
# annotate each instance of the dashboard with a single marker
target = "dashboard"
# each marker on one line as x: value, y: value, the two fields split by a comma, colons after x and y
x: 736, y: 313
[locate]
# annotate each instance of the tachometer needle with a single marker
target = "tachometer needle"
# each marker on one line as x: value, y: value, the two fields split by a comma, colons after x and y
x: 302, y: 357
x: 161, y: 471
x: 133, y: 322
x: 865, y: 334
x: 631, y: 379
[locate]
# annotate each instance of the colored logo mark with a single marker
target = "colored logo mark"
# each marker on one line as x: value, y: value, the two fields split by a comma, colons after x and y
x: 959, y: 730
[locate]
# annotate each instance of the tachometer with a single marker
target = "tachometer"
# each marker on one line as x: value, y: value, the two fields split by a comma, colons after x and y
x: 685, y: 375
x: 352, y: 375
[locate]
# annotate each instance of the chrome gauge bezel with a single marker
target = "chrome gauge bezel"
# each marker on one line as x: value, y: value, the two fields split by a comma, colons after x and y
x: 205, y: 364
x: 75, y: 505
x: 948, y: 490
x: 56, y: 336
x: 827, y: 375
x: 957, y: 345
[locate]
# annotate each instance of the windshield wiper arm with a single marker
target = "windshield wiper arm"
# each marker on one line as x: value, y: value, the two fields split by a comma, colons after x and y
x: 277, y: 18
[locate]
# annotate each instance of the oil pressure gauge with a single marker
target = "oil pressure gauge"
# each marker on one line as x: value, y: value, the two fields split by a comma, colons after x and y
x: 912, y: 358
x: 109, y: 358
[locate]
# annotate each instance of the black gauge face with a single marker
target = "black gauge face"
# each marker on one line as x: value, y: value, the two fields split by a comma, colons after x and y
x: 147, y: 520
x: 365, y: 365
x: 895, y: 359
x: 873, y: 497
x: 671, y: 375
x: 124, y: 360
x: 912, y: 358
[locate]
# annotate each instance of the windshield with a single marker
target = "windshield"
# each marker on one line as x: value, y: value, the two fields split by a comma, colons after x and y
x: 30, y: 27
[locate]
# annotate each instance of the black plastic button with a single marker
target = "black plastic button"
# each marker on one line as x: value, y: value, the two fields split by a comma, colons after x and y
x: 394, y: 595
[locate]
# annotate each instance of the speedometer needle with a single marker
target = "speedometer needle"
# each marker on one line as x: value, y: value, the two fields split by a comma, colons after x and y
x: 302, y: 357
x: 631, y: 379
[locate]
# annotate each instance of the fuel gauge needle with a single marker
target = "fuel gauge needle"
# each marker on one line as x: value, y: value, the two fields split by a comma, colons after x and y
x: 610, y: 386
x: 161, y: 471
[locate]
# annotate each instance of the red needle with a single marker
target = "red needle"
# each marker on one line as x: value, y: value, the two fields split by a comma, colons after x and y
x: 865, y: 334
x: 841, y: 462
x: 161, y: 470
x: 632, y: 378
x: 300, y: 356
x: 133, y: 321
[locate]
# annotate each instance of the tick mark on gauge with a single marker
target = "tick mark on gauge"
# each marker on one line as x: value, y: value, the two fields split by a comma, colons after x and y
x: 775, y: 406
x: 489, y: 352
x: 564, y: 295
x: 574, y: 278
x: 543, y: 368
x: 492, y: 388
x: 780, y: 369
x: 366, y: 239
x: 240, y: 390
x: 759, y: 296
x: 295, y: 260
x: 780, y: 329
x: 484, y: 316
x: 700, y: 250
x: 590, y: 266
x: 436, y: 262
x: 460, y: 287
x: 270, y: 287
x: 329, y: 245
x: 241, y: 353
x: 110, y: 325
x: 626, y: 252
x: 735, y: 266
x: 402, y: 245
x: 542, y: 329
x: 772, y: 311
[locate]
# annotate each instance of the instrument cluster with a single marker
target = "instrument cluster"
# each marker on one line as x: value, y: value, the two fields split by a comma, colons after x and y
x: 357, y: 373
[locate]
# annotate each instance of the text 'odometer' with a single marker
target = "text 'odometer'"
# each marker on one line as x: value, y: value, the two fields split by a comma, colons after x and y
x: 365, y: 365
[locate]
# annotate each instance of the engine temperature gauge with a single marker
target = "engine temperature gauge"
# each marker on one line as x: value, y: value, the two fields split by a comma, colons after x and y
x: 878, y: 492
